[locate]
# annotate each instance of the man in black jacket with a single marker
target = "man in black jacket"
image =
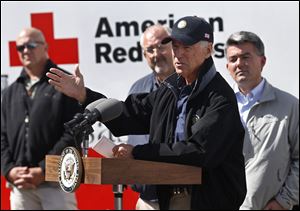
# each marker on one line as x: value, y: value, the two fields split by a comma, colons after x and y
x: 32, y: 118
x: 192, y: 119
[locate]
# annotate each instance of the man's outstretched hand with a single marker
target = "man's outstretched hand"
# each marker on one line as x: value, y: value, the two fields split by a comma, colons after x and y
x: 70, y: 85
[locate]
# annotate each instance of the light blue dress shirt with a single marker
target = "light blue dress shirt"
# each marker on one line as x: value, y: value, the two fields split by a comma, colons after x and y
x: 246, y: 102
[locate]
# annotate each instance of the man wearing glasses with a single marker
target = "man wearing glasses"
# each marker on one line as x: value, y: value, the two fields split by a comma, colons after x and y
x: 32, y: 117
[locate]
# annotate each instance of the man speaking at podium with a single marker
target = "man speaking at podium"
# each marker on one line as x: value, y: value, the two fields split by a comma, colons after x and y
x: 192, y: 119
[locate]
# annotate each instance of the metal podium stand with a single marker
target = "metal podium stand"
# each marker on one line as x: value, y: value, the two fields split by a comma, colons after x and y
x: 117, y: 189
x: 118, y: 196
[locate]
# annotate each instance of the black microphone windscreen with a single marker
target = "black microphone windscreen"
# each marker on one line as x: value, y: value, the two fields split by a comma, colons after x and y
x: 90, y: 107
x: 109, y: 109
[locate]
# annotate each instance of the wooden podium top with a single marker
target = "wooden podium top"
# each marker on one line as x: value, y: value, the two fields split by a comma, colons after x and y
x: 128, y: 171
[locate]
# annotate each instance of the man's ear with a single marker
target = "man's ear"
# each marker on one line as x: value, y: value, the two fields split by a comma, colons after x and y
x: 209, y: 50
x: 263, y: 61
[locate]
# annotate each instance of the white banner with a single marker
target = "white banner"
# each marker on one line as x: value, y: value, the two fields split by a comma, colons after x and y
x: 108, y: 33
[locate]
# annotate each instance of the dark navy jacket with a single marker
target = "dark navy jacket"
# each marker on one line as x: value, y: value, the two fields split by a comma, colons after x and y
x: 213, y: 137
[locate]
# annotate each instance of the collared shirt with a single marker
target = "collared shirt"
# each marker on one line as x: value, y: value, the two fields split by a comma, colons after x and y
x: 31, y: 85
x: 245, y: 102
x: 181, y: 109
x: 184, y: 92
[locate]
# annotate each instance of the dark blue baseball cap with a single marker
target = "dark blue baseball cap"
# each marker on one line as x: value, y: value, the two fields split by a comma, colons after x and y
x: 190, y: 30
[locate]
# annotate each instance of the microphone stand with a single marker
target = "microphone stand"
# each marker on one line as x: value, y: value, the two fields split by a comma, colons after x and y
x: 82, y: 135
x: 118, y: 194
x: 85, y: 148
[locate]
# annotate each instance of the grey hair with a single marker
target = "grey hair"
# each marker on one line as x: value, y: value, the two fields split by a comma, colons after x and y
x: 241, y: 37
x: 203, y: 43
x: 166, y: 28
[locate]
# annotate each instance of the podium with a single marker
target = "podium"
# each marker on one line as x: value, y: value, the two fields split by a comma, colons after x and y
x: 128, y: 171
x: 116, y: 171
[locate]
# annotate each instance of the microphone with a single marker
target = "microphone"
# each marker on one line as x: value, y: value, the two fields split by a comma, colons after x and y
x: 79, y: 117
x: 108, y: 110
x: 90, y: 107
x: 102, y: 110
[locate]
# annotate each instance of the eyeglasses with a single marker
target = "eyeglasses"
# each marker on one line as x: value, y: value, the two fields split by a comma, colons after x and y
x: 161, y: 48
x: 30, y: 46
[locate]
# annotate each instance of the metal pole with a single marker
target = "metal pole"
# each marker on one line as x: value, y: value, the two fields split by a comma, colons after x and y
x: 118, y: 193
x: 85, y: 139
x: 85, y: 144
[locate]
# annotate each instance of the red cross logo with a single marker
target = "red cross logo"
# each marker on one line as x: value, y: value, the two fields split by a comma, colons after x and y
x: 61, y: 51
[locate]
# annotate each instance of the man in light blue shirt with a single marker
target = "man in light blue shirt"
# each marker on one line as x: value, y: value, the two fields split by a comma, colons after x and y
x: 271, y: 120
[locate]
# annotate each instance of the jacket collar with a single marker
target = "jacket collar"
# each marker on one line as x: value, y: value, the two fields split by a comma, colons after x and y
x: 268, y: 93
x: 205, y: 74
x: 24, y: 75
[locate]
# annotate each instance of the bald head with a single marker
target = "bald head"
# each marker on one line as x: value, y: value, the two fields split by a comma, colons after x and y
x: 32, y: 33
x: 32, y: 49
x: 156, y: 31
x: 158, y: 56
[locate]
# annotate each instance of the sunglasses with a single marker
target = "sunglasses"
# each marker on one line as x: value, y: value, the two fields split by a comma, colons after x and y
x: 29, y: 46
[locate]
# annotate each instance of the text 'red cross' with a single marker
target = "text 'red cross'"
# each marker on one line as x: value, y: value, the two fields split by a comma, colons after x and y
x: 61, y: 51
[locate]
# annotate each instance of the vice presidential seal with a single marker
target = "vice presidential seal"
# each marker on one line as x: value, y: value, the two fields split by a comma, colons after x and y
x: 70, y: 169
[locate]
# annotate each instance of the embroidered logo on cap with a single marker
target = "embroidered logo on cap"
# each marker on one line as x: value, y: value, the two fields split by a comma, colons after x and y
x: 182, y: 24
